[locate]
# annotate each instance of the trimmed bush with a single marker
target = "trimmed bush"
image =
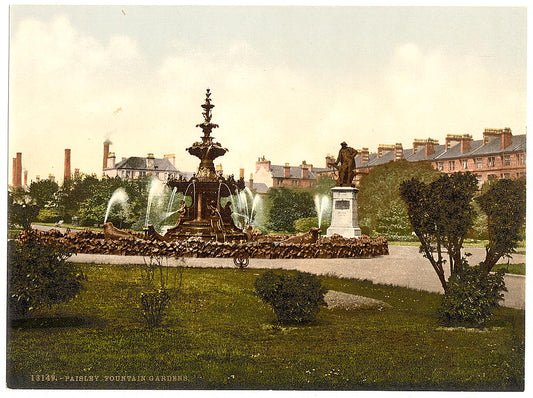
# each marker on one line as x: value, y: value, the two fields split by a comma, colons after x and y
x: 39, y: 275
x: 295, y: 297
x: 471, y: 296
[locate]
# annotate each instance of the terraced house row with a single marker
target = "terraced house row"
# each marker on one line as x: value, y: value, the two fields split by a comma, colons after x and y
x: 498, y: 155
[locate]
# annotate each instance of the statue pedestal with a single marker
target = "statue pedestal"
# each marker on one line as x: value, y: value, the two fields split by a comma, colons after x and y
x: 344, y: 213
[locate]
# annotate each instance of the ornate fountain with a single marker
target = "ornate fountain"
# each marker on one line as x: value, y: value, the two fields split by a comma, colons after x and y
x: 206, y: 217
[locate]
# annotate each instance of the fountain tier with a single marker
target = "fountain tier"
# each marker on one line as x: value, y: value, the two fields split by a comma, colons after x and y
x: 206, y: 218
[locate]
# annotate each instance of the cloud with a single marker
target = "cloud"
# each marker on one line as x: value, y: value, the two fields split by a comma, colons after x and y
x: 66, y: 88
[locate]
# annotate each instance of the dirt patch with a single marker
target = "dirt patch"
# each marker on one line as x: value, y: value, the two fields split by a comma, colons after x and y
x: 350, y: 301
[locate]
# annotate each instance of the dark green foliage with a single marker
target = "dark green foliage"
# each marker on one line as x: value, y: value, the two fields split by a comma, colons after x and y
x: 22, y: 214
x: 379, y: 203
x: 394, y: 223
x: 471, y: 296
x: 39, y: 275
x: 504, y: 204
x: 295, y: 297
x: 288, y: 205
x: 153, y: 305
x: 441, y: 214
x: 42, y: 192
x: 305, y: 224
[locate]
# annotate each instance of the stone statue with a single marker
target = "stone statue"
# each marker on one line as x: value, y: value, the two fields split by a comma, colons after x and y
x: 345, y: 164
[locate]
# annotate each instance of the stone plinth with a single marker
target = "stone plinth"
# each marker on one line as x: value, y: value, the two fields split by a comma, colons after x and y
x: 344, y: 219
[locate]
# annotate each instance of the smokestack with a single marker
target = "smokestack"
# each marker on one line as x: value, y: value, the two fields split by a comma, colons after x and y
x: 106, y: 152
x: 14, y: 173
x: 66, y: 175
x: 18, y: 176
x: 241, y: 174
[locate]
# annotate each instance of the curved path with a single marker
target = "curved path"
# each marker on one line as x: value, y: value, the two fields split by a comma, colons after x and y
x: 404, y: 266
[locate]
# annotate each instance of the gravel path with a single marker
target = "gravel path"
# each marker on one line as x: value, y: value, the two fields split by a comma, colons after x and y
x: 404, y: 266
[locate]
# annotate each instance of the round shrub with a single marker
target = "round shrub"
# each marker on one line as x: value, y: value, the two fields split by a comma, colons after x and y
x: 39, y: 275
x: 295, y: 297
x: 471, y: 296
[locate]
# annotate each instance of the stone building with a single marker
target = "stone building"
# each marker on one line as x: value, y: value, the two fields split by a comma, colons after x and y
x: 134, y: 166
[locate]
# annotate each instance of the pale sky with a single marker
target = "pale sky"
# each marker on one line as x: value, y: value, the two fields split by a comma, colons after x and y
x: 289, y: 83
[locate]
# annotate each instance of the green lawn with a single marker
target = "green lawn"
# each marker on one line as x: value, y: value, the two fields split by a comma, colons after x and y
x: 517, y: 269
x: 218, y: 334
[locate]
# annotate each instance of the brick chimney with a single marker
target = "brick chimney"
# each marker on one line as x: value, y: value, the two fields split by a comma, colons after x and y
x: 172, y: 158
x: 305, y: 170
x: 464, y: 140
x: 507, y: 137
x: 14, y: 173
x: 365, y: 155
x: 106, y: 152
x: 398, y: 151
x: 383, y: 149
x: 286, y: 170
x: 262, y: 162
x: 110, y: 160
x: 428, y: 144
x: 150, y: 161
x: 241, y: 174
x: 18, y: 179
x: 66, y: 174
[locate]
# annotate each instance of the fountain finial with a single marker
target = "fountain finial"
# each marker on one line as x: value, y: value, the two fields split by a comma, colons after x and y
x: 207, y: 126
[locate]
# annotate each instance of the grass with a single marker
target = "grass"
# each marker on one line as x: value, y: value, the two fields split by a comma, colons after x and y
x: 219, y: 335
x: 517, y: 269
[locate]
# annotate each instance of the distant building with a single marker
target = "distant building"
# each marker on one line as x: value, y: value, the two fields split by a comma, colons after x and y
x: 498, y: 155
x: 134, y: 166
x: 303, y: 176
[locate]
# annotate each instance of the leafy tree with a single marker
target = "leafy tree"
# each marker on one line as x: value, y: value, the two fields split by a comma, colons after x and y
x: 504, y: 203
x: 379, y: 198
x: 288, y: 205
x: 42, y: 192
x: 39, y: 275
x: 441, y: 214
x: 21, y: 211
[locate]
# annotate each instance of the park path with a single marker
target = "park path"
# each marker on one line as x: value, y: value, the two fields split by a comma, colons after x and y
x: 404, y: 266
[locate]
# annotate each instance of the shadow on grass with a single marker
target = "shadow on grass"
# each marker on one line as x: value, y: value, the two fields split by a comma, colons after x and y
x: 55, y: 322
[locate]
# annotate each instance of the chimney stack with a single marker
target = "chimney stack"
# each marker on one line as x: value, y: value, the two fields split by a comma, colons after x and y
x: 106, y: 152
x: 66, y: 175
x: 19, y: 169
x: 110, y: 160
x: 464, y: 139
x: 286, y: 170
x: 14, y: 173
x: 172, y: 158
x: 428, y: 143
x: 305, y: 170
x: 398, y: 151
x: 150, y: 161
x: 262, y: 162
x: 383, y: 149
x: 241, y: 174
x: 365, y: 155
x: 507, y: 137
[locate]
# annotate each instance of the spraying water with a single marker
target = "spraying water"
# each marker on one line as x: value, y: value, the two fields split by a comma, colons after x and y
x: 171, y: 200
x: 156, y: 188
x: 119, y: 196
x: 321, y: 204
